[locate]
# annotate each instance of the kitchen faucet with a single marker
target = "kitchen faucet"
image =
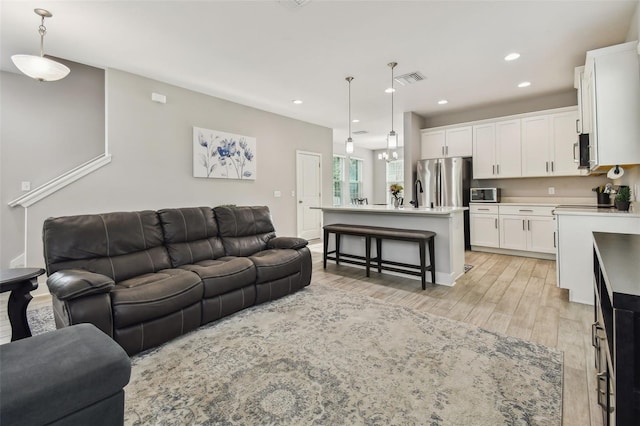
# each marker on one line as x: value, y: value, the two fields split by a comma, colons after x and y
x: 417, y: 185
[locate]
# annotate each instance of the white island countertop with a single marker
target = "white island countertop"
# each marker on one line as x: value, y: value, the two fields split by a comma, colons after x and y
x: 421, y: 211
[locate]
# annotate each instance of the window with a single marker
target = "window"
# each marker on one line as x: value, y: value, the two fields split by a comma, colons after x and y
x: 338, y: 179
x: 355, y: 178
x: 395, y: 173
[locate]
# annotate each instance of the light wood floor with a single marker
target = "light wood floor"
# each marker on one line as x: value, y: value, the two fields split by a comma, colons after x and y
x: 513, y: 295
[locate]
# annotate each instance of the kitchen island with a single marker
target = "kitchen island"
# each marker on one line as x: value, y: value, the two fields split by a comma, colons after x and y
x: 446, y: 222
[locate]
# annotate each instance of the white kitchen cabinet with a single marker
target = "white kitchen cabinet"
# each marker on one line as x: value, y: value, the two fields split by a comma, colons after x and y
x: 548, y: 145
x: 513, y: 232
x: 583, y: 122
x: 496, y: 150
x: 446, y: 143
x: 508, y: 149
x: 536, y: 146
x: 528, y: 232
x: 484, y: 230
x: 433, y: 143
x: 611, y: 76
x: 484, y: 151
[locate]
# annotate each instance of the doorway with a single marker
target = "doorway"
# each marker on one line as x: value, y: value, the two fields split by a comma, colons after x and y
x: 309, y: 190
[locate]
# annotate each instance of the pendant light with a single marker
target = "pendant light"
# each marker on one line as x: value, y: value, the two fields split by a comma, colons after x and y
x: 392, y: 137
x: 348, y: 146
x: 39, y: 67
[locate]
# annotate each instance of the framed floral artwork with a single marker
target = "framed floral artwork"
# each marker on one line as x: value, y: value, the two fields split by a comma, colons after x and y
x: 222, y: 155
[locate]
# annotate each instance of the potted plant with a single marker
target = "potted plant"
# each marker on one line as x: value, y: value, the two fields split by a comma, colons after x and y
x: 623, y: 198
x: 395, y: 190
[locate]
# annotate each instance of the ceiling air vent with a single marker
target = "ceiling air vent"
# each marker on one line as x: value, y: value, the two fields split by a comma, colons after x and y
x: 293, y: 4
x: 410, y: 78
x: 360, y: 132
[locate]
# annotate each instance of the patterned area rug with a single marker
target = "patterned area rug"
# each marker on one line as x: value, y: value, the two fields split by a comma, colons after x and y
x: 325, y: 356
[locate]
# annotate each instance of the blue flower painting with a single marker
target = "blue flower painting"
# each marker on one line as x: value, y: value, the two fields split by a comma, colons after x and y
x: 223, y: 155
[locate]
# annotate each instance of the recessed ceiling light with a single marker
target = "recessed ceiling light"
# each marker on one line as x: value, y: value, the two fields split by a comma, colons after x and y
x: 524, y: 84
x: 389, y: 90
x: 512, y: 56
x: 355, y: 120
x: 443, y: 102
x: 297, y: 101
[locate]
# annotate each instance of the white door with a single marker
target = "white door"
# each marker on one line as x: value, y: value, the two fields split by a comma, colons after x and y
x: 508, y: 149
x: 484, y: 151
x: 484, y: 230
x: 513, y: 232
x: 535, y: 146
x: 459, y: 142
x: 564, y: 136
x: 432, y: 145
x: 309, y: 189
x: 542, y: 232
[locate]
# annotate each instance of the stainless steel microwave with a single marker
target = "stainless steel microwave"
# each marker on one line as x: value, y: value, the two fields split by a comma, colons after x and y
x: 485, y: 195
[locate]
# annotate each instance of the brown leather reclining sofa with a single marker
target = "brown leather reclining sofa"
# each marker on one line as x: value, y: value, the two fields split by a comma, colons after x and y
x: 146, y: 277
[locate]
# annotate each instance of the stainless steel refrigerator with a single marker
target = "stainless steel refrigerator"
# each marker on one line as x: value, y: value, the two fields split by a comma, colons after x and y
x: 445, y: 182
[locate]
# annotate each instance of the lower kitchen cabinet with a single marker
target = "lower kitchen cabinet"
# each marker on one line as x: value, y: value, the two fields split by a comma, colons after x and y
x: 484, y: 229
x: 530, y: 233
x: 616, y: 328
x: 523, y: 228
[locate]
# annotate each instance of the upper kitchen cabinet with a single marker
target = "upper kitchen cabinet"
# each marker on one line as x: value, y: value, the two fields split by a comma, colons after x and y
x: 497, y: 150
x: 548, y: 145
x: 583, y: 124
x: 445, y: 143
x: 612, y: 82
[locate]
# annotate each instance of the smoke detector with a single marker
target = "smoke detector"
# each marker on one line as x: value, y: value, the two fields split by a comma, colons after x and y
x: 410, y: 78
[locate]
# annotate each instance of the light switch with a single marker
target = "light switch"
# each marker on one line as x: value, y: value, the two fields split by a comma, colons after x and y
x: 552, y: 190
x: 277, y: 194
x: 25, y: 186
x: 293, y: 193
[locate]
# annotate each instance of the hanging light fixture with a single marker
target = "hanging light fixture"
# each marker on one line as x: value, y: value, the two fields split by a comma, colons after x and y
x: 392, y: 137
x: 39, y: 67
x: 348, y: 146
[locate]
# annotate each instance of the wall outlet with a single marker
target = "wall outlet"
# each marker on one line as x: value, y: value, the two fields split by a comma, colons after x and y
x: 277, y: 194
x: 293, y: 193
x: 25, y: 186
x: 552, y: 190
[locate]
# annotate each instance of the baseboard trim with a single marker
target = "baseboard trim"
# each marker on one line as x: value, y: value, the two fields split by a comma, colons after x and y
x: 521, y: 253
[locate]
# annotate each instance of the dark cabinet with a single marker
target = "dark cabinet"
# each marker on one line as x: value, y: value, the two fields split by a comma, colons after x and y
x: 616, y: 328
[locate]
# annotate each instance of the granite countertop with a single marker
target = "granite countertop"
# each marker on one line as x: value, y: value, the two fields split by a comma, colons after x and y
x: 423, y: 211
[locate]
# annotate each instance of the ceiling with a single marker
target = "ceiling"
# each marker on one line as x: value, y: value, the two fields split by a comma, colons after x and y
x: 267, y: 53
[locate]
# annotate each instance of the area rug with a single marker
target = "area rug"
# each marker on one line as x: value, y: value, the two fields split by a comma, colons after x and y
x: 325, y: 356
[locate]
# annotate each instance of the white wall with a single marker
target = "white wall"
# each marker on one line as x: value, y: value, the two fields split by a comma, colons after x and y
x: 152, y: 152
x: 412, y: 124
x: 46, y: 129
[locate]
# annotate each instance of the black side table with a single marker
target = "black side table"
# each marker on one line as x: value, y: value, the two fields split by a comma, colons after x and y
x: 20, y: 282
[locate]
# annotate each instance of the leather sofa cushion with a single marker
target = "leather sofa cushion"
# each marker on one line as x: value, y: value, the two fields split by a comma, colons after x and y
x: 151, y: 296
x: 275, y: 264
x: 222, y: 276
x: 191, y: 235
x: 244, y: 230
x: 119, y: 245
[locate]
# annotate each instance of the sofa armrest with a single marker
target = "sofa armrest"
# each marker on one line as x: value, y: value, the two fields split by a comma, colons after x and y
x: 287, y: 243
x: 73, y: 283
